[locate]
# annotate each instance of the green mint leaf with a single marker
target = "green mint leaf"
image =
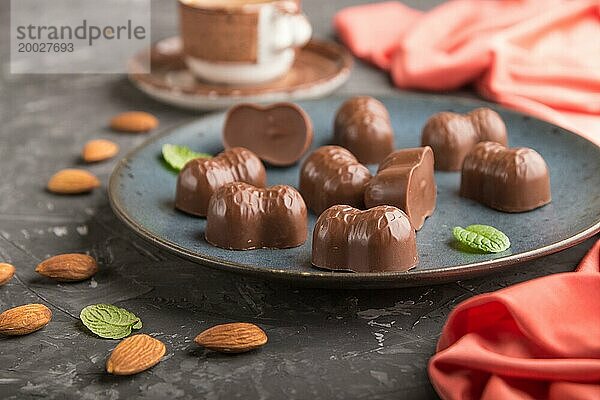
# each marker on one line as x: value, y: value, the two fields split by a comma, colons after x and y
x: 482, y: 237
x: 177, y: 156
x: 108, y: 321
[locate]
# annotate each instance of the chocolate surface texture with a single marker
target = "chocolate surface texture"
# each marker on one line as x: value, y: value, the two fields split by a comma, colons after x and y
x: 451, y: 136
x: 380, y: 239
x: 279, y: 134
x: 243, y: 217
x: 362, y: 125
x: 406, y: 180
x: 510, y: 180
x: 332, y: 175
x: 199, y: 179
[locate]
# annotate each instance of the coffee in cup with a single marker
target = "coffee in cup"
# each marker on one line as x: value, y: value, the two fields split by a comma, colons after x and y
x: 241, y: 42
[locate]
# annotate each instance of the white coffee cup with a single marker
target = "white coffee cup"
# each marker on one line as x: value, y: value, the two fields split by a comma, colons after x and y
x: 242, y: 42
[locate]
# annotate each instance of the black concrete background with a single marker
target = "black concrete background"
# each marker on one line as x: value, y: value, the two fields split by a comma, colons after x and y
x: 323, y: 344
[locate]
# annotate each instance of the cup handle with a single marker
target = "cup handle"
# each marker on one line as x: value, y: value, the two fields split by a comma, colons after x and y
x: 291, y: 27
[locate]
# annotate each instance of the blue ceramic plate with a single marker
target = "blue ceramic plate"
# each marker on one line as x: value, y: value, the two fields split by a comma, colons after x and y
x: 142, y: 192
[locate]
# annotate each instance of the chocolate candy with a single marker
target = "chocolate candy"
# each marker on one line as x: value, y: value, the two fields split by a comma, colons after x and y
x: 279, y: 134
x: 243, y: 217
x: 331, y: 175
x: 405, y: 180
x: 362, y: 125
x: 380, y: 239
x: 511, y: 180
x: 198, y: 180
x: 452, y: 136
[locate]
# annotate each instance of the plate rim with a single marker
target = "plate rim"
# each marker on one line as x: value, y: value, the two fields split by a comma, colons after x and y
x: 408, y: 278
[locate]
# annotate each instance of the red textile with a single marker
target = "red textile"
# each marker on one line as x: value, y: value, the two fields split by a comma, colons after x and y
x: 373, y: 32
x: 538, y: 56
x: 535, y: 340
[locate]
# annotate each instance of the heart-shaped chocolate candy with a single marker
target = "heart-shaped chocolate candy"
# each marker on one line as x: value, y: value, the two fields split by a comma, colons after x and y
x: 243, y: 217
x: 451, y: 136
x: 380, y: 239
x: 363, y: 126
x: 510, y: 180
x: 331, y: 175
x: 199, y: 178
x: 279, y: 133
x: 405, y: 179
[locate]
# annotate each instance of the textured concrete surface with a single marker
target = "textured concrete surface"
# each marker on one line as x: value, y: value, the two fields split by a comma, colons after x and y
x: 324, y: 344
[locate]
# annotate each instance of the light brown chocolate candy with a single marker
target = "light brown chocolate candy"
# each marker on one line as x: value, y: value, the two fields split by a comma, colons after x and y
x: 199, y: 179
x: 380, y: 239
x: 243, y: 217
x: 451, y: 136
x: 331, y: 175
x: 405, y: 179
x: 279, y: 134
x: 362, y: 125
x: 511, y: 180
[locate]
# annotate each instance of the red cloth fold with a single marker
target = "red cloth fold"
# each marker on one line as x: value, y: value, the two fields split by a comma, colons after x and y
x: 538, y: 56
x: 373, y: 32
x: 535, y: 340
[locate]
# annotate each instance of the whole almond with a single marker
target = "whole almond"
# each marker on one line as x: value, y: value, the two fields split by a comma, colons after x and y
x: 24, y: 320
x: 237, y: 337
x: 7, y: 271
x: 72, y: 181
x: 134, y: 122
x: 68, y: 267
x: 135, y: 354
x: 99, y: 150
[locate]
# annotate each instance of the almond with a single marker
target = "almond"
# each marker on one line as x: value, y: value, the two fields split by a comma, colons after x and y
x: 237, y: 337
x: 135, y: 354
x: 72, y: 181
x: 24, y: 320
x: 7, y: 271
x: 134, y: 122
x: 68, y: 267
x: 99, y: 150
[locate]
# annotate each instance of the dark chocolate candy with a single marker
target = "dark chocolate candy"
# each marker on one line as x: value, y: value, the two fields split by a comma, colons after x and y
x: 362, y: 125
x: 380, y: 239
x: 201, y: 177
x: 405, y: 179
x: 279, y: 134
x: 243, y: 217
x: 511, y: 180
x: 331, y: 175
x: 451, y: 136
